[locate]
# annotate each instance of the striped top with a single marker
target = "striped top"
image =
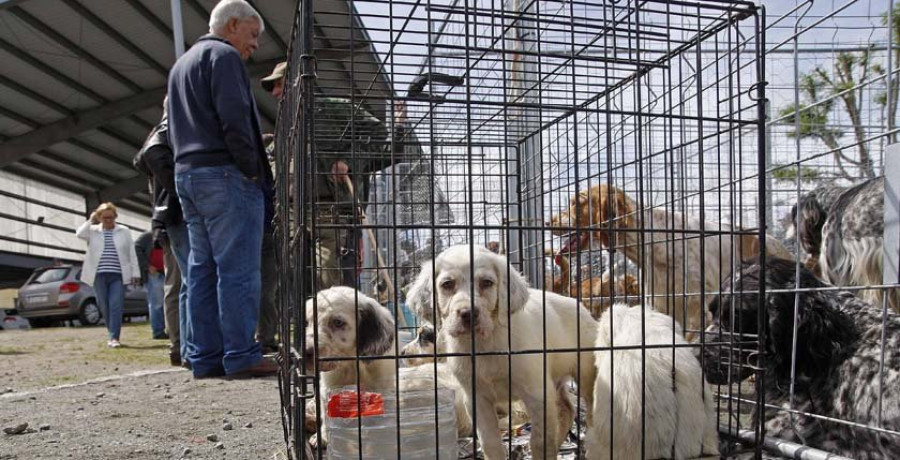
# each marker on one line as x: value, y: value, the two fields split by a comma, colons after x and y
x: 109, y: 260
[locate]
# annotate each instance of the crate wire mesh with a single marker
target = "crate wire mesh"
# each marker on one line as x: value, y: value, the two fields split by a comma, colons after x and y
x: 661, y: 100
x: 557, y: 98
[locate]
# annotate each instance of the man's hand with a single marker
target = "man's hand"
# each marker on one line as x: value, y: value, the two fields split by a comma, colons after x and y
x: 400, y: 112
x: 153, y: 270
x: 339, y: 172
x: 136, y: 281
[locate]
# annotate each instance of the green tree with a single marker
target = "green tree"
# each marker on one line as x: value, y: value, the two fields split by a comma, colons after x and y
x: 843, y: 88
x: 821, y: 92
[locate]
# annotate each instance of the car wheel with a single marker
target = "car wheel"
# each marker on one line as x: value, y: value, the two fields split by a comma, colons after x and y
x: 89, y: 314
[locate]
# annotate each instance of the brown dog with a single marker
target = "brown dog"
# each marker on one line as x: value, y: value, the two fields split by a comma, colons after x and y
x: 595, y: 293
x: 664, y: 244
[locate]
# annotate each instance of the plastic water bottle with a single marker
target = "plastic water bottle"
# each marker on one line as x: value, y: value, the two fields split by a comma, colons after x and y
x: 420, y: 438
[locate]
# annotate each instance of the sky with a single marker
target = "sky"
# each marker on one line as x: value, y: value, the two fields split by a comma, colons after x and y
x: 478, y: 191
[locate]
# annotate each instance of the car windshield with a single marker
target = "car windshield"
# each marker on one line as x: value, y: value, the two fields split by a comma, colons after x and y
x: 49, y: 275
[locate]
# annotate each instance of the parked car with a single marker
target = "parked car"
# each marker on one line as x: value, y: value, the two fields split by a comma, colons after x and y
x: 55, y: 293
x: 12, y: 322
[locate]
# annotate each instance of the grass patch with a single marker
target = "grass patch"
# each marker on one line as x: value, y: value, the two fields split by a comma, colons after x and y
x: 138, y: 348
x: 11, y: 351
x: 130, y: 356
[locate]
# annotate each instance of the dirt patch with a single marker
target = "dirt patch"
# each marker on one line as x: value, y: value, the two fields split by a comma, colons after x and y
x: 84, y: 401
x: 40, y: 358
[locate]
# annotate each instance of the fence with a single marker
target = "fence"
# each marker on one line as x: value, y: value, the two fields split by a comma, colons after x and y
x: 613, y: 152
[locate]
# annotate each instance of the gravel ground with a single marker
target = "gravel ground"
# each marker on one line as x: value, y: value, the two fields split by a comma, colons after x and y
x: 84, y: 401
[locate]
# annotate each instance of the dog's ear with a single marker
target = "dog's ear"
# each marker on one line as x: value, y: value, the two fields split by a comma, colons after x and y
x: 614, y: 210
x: 512, y: 286
x: 582, y: 198
x: 628, y: 285
x: 810, y: 220
x: 420, y: 295
x: 823, y: 331
x: 748, y: 247
x: 375, y: 328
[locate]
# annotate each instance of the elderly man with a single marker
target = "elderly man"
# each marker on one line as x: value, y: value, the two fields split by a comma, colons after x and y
x: 225, y: 188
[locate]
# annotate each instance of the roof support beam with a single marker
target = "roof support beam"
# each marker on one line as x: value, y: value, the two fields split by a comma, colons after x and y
x: 4, y: 4
x: 21, y: 146
x: 152, y: 19
x: 73, y: 166
x: 49, y: 70
x: 56, y: 74
x: 123, y: 189
x: 77, y: 187
x: 74, y: 48
x: 42, y: 169
x: 24, y: 90
x: 115, y: 35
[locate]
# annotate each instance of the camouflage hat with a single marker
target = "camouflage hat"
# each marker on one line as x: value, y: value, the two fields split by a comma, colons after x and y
x: 277, y: 74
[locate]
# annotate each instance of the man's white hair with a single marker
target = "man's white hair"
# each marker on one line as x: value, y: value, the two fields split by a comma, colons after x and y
x: 227, y: 9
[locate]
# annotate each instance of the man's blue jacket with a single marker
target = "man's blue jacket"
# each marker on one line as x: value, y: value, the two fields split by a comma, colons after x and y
x: 213, y: 119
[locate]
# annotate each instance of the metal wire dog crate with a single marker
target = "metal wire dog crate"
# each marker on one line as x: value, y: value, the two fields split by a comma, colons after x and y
x: 491, y: 118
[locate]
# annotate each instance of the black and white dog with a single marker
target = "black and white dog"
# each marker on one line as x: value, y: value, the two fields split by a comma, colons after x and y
x: 841, y: 229
x: 808, y: 216
x: 837, y: 362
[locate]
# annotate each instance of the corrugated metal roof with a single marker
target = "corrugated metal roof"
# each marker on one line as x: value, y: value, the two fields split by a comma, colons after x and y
x: 65, y: 60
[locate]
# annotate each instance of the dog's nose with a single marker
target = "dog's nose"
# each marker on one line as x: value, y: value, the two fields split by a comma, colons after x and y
x: 309, y: 354
x: 467, y: 315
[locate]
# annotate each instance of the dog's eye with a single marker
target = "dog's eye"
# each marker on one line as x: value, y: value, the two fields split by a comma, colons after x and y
x: 448, y: 285
x: 486, y: 283
x: 337, y: 323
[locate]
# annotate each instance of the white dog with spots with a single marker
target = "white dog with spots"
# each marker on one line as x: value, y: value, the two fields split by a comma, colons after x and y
x: 342, y: 323
x: 484, y: 295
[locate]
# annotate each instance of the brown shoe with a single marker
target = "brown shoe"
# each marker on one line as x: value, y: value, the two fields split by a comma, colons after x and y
x: 175, y: 357
x: 263, y: 368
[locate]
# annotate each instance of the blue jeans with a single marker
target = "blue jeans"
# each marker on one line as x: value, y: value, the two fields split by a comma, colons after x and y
x: 111, y: 300
x: 224, y: 214
x: 181, y: 247
x: 155, y: 291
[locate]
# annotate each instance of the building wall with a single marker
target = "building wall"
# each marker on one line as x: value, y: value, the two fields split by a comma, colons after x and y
x: 38, y: 234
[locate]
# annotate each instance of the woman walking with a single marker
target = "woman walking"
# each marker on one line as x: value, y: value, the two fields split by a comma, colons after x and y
x: 109, y: 264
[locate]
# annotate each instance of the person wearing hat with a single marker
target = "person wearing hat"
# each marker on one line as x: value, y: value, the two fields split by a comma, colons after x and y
x: 274, y: 82
x: 345, y: 157
x: 268, y: 313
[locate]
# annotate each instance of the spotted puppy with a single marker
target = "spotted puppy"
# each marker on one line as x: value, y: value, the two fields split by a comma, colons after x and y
x: 853, y: 242
x: 343, y: 328
x: 423, y: 344
x: 480, y: 299
x: 836, y: 366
